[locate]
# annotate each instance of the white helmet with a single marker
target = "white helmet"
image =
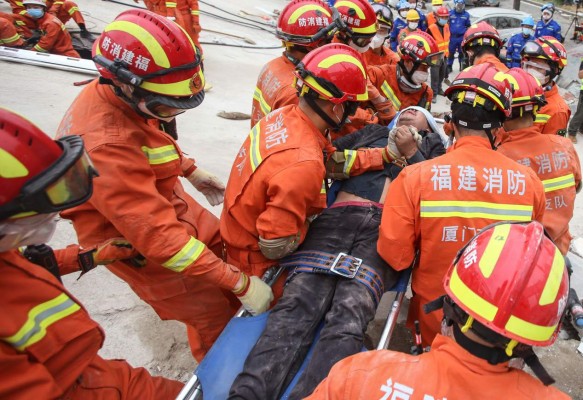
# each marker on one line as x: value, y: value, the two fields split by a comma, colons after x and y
x: 35, y: 3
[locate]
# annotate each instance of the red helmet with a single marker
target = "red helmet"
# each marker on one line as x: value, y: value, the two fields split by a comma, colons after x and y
x: 151, y: 52
x: 528, y: 94
x: 481, y: 34
x: 38, y: 174
x: 482, y: 86
x: 442, y: 12
x: 300, y: 20
x: 420, y: 47
x: 335, y: 71
x: 359, y: 17
x: 512, y: 279
x: 547, y: 48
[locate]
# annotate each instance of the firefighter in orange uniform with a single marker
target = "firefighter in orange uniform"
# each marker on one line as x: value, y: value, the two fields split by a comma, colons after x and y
x: 404, y: 84
x: 186, y: 13
x: 361, y: 26
x: 436, y: 206
x: 379, y: 53
x: 8, y: 34
x: 275, y: 82
x: 481, y: 333
x: 55, y: 38
x: 126, y: 120
x: 482, y: 44
x: 48, y: 342
x: 432, y: 16
x: 554, y: 158
x: 439, y: 31
x: 545, y: 58
x: 277, y: 180
x: 65, y: 10
x: 160, y: 7
x: 412, y: 25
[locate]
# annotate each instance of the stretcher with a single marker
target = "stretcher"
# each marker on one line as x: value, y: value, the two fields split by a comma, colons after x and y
x: 218, y: 370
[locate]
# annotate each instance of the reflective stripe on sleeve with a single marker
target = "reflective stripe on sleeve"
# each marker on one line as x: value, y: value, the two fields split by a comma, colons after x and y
x: 39, y: 319
x: 258, y: 95
x: 350, y: 156
x: 560, y: 182
x: 186, y: 256
x: 160, y: 155
x: 254, y: 149
x: 542, y: 118
x: 476, y: 209
x: 388, y: 91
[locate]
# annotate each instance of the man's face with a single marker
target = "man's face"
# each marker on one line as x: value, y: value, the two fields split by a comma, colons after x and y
x: 413, y: 118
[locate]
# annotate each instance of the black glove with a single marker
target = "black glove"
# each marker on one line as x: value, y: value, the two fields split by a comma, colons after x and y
x: 84, y: 32
x: 34, y: 39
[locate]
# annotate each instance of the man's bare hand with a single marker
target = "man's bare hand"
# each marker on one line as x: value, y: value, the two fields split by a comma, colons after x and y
x: 406, y: 139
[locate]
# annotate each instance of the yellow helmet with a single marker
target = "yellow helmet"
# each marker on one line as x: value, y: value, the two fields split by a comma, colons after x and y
x: 436, y: 3
x: 412, y: 15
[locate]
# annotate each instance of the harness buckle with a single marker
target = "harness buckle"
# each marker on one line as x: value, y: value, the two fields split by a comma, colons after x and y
x: 346, y: 265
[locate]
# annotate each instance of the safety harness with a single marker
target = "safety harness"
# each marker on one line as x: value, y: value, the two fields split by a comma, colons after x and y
x: 341, y: 265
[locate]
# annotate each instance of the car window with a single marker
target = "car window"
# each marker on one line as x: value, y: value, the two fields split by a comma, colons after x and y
x: 507, y: 23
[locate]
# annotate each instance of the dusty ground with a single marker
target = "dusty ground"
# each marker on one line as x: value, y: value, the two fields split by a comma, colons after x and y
x: 133, y: 331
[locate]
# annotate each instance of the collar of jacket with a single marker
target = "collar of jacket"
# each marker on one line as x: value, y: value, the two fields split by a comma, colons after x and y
x: 522, y: 134
x: 472, y: 141
x: 323, y: 141
x: 447, y: 347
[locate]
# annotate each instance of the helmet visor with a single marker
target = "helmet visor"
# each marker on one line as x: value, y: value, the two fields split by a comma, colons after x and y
x: 533, y: 49
x: 434, y: 59
x: 65, y: 184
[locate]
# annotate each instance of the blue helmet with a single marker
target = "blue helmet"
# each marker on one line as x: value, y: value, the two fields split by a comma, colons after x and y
x: 548, y: 6
x: 403, y: 5
x: 529, y: 21
x: 459, y: 2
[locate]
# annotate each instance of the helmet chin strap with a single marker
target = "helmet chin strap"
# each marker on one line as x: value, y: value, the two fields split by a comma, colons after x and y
x: 405, y: 78
x: 335, y: 125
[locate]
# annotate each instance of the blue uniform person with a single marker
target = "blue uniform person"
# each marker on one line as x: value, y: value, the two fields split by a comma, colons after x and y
x: 459, y: 22
x: 547, y: 26
x: 400, y: 23
x: 517, y: 42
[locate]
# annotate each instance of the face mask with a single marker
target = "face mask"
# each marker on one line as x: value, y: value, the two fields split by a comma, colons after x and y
x: 37, y: 229
x: 442, y: 21
x: 35, y: 13
x: 413, y: 25
x: 358, y: 48
x: 339, y: 119
x: 527, y: 31
x: 377, y: 41
x: 541, y: 77
x: 403, y: 14
x: 459, y: 7
x: 419, y: 76
x: 547, y: 16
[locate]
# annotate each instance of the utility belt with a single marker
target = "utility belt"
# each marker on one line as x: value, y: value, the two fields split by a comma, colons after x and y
x: 340, y: 264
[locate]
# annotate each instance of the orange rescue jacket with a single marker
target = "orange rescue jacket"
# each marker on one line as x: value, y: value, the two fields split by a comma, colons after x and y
x: 276, y: 183
x: 447, y: 371
x: 138, y: 196
x: 384, y: 78
x: 387, y: 56
x: 65, y: 10
x: 557, y: 165
x: 55, y: 38
x: 187, y: 14
x: 553, y: 118
x: 437, y: 206
x: 492, y: 59
x: 49, y: 344
x: 274, y: 88
x: 8, y: 35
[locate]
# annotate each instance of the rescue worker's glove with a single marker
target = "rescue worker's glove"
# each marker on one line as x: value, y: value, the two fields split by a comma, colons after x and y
x: 209, y: 185
x: 402, y: 140
x: 34, y: 39
x: 274, y: 249
x: 254, y: 294
x: 385, y: 110
x: 84, y: 32
x: 105, y: 253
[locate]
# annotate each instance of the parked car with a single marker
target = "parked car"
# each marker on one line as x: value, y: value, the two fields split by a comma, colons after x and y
x: 505, y: 20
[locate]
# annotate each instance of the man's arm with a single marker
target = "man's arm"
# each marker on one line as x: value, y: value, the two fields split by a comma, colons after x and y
x: 47, y: 41
x: 397, y: 233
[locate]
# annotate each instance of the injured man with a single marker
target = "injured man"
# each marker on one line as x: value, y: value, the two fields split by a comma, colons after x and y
x: 336, y: 275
